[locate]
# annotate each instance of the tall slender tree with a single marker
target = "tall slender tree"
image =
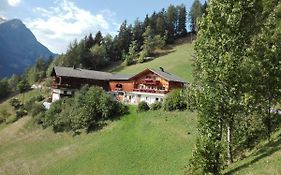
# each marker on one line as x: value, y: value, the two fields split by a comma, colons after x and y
x: 224, y: 37
x: 181, y: 26
x: 195, y: 14
x: 265, y: 61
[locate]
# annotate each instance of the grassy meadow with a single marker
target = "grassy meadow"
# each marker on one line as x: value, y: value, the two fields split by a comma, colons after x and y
x: 153, y: 142
x: 178, y: 62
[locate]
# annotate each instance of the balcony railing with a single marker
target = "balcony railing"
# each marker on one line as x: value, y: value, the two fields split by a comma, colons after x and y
x: 151, y: 91
x: 150, y: 82
x: 58, y: 86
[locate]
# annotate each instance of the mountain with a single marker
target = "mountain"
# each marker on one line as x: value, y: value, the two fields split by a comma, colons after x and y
x: 2, y: 20
x: 18, y: 47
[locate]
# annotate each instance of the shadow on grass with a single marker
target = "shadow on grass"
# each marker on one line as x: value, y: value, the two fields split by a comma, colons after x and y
x: 267, y: 150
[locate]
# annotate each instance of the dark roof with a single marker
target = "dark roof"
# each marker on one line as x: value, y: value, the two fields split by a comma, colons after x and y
x: 120, y: 77
x: 98, y: 75
x: 88, y: 74
x: 168, y: 76
x: 80, y: 73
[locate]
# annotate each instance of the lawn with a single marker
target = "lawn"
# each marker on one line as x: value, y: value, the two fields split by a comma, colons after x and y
x: 154, y: 142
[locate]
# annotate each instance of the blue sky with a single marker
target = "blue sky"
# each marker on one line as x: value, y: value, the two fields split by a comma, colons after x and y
x: 56, y: 23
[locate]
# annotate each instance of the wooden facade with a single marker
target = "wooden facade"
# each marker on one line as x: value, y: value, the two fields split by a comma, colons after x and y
x: 148, y: 85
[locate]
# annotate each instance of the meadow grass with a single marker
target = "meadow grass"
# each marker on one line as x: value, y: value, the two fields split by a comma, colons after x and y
x: 178, y: 62
x: 265, y: 159
x: 153, y: 142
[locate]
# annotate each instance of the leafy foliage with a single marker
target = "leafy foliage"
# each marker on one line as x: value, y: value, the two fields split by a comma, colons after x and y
x: 176, y: 100
x: 88, y: 110
x: 156, y: 106
x: 15, y: 102
x: 221, y: 70
x: 142, y: 107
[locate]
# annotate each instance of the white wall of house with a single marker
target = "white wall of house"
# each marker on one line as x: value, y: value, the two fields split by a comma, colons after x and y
x: 136, y: 97
x: 55, y: 97
x: 58, y: 93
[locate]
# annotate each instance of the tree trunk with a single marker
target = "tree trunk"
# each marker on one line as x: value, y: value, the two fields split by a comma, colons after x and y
x: 269, y: 124
x: 229, y: 144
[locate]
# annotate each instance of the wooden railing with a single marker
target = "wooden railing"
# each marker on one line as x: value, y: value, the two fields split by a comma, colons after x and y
x: 58, y: 86
x: 150, y: 82
x: 151, y: 91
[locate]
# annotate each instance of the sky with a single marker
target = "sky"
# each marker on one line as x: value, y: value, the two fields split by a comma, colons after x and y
x: 56, y: 23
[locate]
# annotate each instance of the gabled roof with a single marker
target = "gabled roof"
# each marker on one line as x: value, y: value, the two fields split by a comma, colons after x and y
x: 120, y: 77
x: 166, y: 75
x: 87, y: 74
x: 80, y: 73
x: 99, y: 75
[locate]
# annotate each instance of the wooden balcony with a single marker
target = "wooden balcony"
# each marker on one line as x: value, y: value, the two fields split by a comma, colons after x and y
x: 154, y: 91
x: 150, y: 82
x: 59, y: 86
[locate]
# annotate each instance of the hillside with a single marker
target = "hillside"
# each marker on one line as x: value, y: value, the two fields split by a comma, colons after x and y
x: 18, y: 48
x: 265, y: 159
x: 178, y: 62
x: 154, y: 142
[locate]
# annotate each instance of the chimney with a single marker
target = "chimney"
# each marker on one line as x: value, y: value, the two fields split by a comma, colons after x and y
x: 162, y: 69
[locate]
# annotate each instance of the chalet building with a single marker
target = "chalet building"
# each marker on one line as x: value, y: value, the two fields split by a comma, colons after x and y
x: 149, y: 85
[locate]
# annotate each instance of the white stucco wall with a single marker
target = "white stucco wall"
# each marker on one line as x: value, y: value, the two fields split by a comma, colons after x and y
x: 55, y: 97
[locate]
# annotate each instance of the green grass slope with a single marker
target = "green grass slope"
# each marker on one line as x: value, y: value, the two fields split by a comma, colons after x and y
x: 153, y: 142
x: 264, y: 160
x: 178, y: 62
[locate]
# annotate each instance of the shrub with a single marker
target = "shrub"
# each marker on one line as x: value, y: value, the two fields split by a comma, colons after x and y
x: 23, y: 86
x: 39, y: 98
x: 156, y: 106
x: 87, y: 110
x: 37, y: 109
x: 142, y: 106
x: 11, y: 119
x: 176, y: 100
x: 15, y: 103
x: 4, y: 115
x: 20, y: 113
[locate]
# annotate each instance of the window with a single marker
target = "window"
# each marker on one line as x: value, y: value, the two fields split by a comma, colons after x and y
x: 118, y: 86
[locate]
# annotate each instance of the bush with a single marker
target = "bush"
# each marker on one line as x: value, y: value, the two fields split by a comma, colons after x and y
x: 15, y: 103
x: 87, y: 110
x: 156, y: 106
x: 142, y: 106
x: 39, y: 98
x: 206, y: 157
x: 176, y: 100
x: 20, y: 113
x: 23, y: 86
x: 4, y: 115
x: 37, y: 109
x: 11, y: 119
